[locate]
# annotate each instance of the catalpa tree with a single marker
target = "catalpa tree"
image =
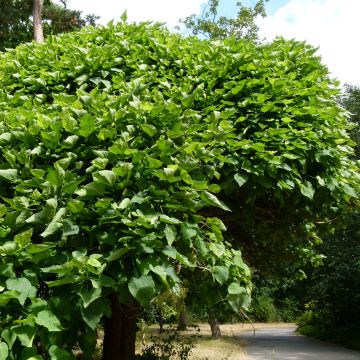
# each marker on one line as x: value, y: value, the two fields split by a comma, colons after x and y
x: 118, y: 147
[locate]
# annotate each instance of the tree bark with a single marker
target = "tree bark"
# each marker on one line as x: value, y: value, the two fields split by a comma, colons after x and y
x: 38, y: 29
x: 120, y: 331
x: 215, y: 327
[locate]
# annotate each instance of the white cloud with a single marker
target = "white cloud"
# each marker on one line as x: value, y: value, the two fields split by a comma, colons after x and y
x: 330, y: 24
x: 169, y: 11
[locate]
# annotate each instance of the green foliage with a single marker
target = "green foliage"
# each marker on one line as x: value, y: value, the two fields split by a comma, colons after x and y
x: 168, y: 346
x: 121, y: 147
x: 334, y: 289
x: 351, y: 101
x: 263, y: 309
x: 213, y: 26
x: 16, y: 25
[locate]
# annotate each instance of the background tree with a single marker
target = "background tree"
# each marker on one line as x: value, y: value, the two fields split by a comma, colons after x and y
x: 214, y: 26
x: 37, y: 21
x: 333, y: 290
x: 351, y: 101
x: 16, y: 25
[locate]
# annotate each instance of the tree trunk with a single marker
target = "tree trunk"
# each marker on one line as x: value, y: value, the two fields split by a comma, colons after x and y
x: 38, y: 29
x: 160, y: 320
x: 183, y: 320
x: 215, y: 327
x: 120, y: 331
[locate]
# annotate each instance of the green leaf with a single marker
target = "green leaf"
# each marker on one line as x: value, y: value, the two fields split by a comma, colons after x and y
x: 188, y: 100
x: 9, y: 175
x: 55, y: 224
x: 69, y: 228
x: 212, y: 200
x: 149, y: 129
x: 170, y: 234
x: 38, y: 248
x: 7, y: 270
x: 241, y: 179
x: 94, y: 263
x: 23, y: 287
x: 170, y: 251
x: 350, y: 191
x: 88, y: 296
x: 25, y: 333
x: 160, y: 272
x: 93, y: 313
x: 221, y: 274
x: 169, y: 220
x: 218, y: 249
x: 4, y: 350
x: 106, y: 177
x: 23, y: 238
x: 49, y: 320
x: 117, y: 254
x: 142, y: 289
x: 30, y: 353
x: 307, y: 189
x: 58, y: 354
x: 235, y: 289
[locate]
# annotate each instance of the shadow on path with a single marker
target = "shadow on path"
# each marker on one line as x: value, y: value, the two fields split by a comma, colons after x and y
x: 284, y: 344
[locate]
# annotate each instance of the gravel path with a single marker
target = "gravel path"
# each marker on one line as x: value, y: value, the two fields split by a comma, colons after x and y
x: 284, y: 344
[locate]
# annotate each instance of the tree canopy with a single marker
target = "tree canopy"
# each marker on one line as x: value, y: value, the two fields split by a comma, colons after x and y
x: 124, y: 151
x: 350, y: 99
x: 16, y: 25
x: 214, y: 26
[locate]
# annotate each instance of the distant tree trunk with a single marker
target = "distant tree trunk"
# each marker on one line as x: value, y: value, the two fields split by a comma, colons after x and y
x: 38, y: 29
x: 160, y: 318
x: 120, y: 331
x: 215, y: 327
x: 183, y: 320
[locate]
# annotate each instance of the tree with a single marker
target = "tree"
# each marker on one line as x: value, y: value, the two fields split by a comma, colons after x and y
x: 213, y: 26
x: 38, y: 29
x: 16, y: 25
x: 351, y: 102
x: 117, y: 155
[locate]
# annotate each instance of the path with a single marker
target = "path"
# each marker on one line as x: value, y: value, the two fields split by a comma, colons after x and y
x: 284, y: 344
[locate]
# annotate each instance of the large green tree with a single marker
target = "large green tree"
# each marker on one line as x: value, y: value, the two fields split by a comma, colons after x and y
x: 121, y: 154
x: 212, y: 25
x: 16, y: 23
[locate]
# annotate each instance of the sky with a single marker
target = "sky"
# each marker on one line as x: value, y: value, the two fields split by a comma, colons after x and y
x: 331, y: 25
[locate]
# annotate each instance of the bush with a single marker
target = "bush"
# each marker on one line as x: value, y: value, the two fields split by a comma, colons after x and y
x: 263, y: 309
x: 168, y: 346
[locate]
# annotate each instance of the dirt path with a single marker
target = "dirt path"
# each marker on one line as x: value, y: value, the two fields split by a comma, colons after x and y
x: 283, y: 344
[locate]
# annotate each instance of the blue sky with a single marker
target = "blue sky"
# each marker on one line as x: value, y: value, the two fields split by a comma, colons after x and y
x: 331, y: 25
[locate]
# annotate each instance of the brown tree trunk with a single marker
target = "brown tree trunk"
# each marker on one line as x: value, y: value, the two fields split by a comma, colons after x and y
x: 160, y: 320
x: 120, y: 331
x: 183, y: 320
x: 38, y: 29
x: 215, y: 327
